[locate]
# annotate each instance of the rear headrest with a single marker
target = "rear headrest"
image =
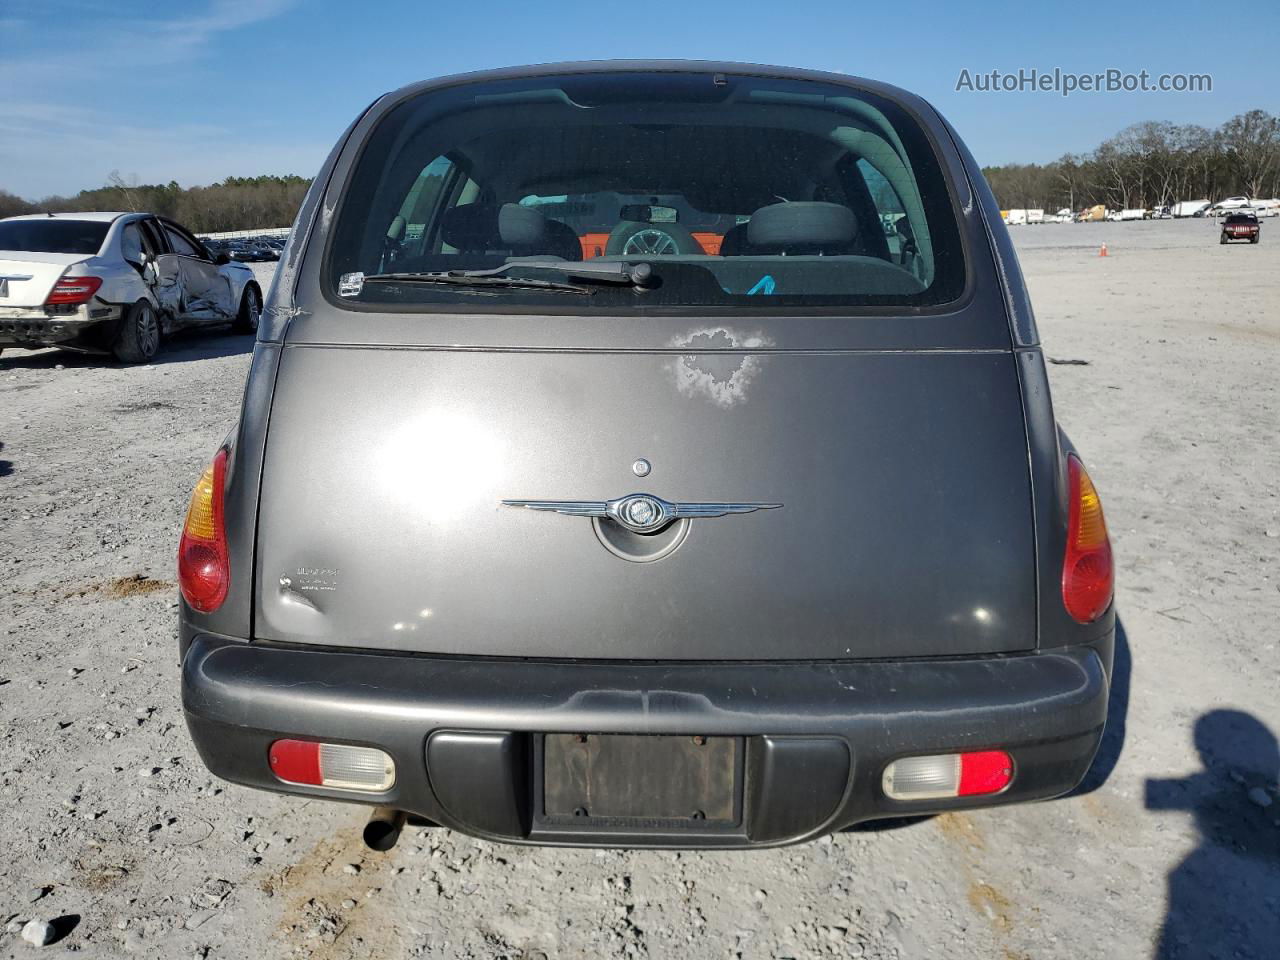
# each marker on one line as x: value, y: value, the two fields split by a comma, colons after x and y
x: 486, y: 226
x: 802, y: 223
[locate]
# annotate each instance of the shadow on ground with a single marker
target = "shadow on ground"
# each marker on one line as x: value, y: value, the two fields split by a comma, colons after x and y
x: 1224, y: 898
x: 62, y: 926
x: 181, y: 347
x: 1108, y: 755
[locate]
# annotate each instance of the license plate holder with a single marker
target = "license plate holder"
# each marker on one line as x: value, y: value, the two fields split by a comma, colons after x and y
x: 642, y: 780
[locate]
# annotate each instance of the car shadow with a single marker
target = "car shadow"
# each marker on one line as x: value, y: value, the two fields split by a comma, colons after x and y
x: 6, y: 466
x: 192, y: 345
x: 182, y: 347
x: 886, y: 823
x: 1109, y: 750
x: 1224, y: 898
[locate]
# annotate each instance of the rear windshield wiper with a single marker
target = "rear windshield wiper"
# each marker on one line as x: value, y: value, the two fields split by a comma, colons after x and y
x: 636, y: 275
x: 600, y: 271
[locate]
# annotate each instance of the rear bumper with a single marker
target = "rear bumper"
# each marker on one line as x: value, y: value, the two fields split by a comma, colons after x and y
x: 82, y: 328
x: 464, y: 734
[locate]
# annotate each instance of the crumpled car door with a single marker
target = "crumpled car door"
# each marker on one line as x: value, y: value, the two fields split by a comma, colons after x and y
x: 206, y: 292
x: 162, y: 272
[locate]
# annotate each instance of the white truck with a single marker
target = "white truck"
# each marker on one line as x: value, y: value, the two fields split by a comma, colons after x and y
x: 1189, y: 208
x: 1019, y: 216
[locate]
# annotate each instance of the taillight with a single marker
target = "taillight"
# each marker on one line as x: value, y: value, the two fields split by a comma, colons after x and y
x: 204, y: 572
x: 1088, y: 573
x: 73, y: 291
x: 945, y: 775
x: 332, y: 765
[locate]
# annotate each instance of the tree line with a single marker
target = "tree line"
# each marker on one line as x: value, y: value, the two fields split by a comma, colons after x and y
x: 1145, y: 165
x: 237, y: 203
x: 1152, y: 165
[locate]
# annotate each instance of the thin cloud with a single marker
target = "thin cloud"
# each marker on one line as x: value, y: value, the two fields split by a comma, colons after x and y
x: 92, y: 109
x: 151, y: 41
x: 76, y: 147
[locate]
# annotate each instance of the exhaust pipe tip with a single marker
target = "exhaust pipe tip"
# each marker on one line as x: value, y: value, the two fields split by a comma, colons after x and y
x: 383, y: 829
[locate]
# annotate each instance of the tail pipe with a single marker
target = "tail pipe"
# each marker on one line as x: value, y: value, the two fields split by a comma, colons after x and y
x: 383, y: 829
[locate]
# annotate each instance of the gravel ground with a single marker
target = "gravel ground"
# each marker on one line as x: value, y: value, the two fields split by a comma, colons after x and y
x: 117, y: 837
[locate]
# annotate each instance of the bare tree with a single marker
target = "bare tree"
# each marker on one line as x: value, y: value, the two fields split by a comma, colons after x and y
x: 1071, y: 174
x: 1252, y: 142
x: 1153, y: 164
x: 116, y: 182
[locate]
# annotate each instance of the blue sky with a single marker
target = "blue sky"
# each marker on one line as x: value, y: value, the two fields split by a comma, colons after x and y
x: 208, y: 88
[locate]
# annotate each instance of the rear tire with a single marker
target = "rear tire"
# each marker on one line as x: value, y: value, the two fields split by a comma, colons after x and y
x: 139, y: 338
x: 246, y: 320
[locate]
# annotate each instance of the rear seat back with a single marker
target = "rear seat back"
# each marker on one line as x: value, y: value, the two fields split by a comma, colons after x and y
x: 510, y: 230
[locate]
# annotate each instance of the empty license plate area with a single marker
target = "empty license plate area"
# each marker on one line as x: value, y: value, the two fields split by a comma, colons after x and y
x: 643, y: 781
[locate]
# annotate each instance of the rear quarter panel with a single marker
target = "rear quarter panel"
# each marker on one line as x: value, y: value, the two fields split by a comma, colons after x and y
x: 248, y: 436
x: 1046, y: 445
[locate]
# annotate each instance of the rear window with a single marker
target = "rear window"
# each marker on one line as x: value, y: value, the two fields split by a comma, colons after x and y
x: 742, y: 192
x: 53, y: 235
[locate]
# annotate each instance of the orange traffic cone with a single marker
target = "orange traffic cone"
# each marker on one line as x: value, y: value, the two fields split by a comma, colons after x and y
x: 1103, y: 251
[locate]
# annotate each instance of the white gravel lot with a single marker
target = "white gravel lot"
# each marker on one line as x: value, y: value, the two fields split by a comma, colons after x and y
x: 113, y: 832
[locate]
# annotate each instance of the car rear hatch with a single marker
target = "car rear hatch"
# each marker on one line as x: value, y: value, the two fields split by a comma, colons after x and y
x: 888, y: 442
x: 27, y: 277
x: 904, y: 528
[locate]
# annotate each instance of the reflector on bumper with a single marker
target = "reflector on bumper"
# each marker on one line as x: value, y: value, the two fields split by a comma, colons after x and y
x: 332, y: 765
x: 947, y: 775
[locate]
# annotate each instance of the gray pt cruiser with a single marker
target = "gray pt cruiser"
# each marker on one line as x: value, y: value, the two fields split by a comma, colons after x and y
x: 648, y: 455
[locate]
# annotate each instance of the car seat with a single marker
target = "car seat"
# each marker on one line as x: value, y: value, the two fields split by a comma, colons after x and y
x: 508, y: 229
x: 795, y: 228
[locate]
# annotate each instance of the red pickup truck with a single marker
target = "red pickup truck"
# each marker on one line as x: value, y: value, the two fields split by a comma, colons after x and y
x: 1240, y: 226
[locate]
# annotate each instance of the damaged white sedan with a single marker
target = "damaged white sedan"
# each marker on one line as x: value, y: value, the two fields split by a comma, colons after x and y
x: 114, y: 283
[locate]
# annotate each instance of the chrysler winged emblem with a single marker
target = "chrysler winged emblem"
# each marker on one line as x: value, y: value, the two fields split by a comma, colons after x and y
x: 641, y: 512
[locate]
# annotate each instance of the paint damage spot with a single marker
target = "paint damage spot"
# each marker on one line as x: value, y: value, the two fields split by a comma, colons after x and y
x: 719, y: 366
